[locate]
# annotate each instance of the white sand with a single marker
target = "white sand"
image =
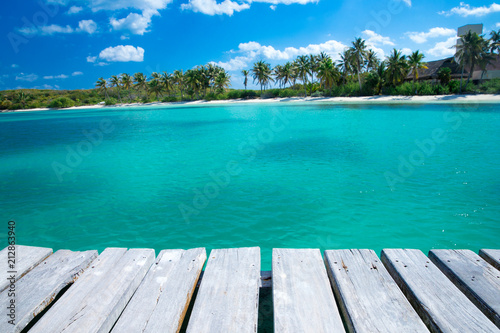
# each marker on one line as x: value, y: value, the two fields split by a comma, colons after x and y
x: 441, y: 99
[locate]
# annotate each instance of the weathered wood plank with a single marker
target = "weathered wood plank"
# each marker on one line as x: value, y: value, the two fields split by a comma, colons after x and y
x: 26, y: 257
x: 369, y: 298
x: 161, y: 301
x: 228, y: 297
x: 302, y: 295
x: 96, y: 300
x: 491, y: 256
x: 440, y: 304
x: 477, y: 279
x: 38, y: 288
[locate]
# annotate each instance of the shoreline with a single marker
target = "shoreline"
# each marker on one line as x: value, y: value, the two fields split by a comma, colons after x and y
x: 433, y: 99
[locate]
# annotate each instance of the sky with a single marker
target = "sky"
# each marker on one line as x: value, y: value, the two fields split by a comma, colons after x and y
x: 69, y: 44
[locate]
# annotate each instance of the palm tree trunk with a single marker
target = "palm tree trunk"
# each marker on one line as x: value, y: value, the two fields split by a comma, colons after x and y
x: 462, y: 78
x: 470, y: 74
x: 359, y: 77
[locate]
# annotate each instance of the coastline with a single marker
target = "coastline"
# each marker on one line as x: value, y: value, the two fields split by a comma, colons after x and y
x: 433, y: 99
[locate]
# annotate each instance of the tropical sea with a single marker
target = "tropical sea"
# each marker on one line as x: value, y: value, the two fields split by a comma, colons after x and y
x: 297, y: 175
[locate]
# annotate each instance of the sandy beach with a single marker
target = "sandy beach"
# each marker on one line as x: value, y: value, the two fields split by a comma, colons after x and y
x: 436, y: 99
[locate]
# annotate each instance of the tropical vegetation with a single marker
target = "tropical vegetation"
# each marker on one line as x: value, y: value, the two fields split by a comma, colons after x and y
x: 357, y: 72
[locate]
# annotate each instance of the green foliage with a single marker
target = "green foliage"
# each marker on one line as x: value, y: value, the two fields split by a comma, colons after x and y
x: 61, y: 102
x: 171, y: 99
x: 454, y: 86
x: 441, y: 89
x: 110, y: 101
x: 444, y: 75
x: 490, y: 87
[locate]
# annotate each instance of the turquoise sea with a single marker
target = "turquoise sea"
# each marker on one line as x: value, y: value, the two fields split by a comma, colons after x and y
x: 312, y: 175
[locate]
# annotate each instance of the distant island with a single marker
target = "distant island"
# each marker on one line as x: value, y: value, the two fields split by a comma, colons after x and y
x: 359, y: 72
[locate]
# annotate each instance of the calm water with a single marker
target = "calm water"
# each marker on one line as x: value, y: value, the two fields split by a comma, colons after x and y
x: 281, y: 175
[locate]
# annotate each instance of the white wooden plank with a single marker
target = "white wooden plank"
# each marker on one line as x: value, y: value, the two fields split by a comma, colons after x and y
x: 95, y: 301
x: 302, y: 295
x: 228, y: 298
x: 368, y: 296
x: 440, y: 304
x: 38, y: 288
x: 491, y: 256
x: 161, y: 301
x: 477, y: 279
x: 26, y: 257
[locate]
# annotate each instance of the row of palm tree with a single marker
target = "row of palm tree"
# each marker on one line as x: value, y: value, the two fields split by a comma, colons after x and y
x: 197, y: 81
x: 358, y: 62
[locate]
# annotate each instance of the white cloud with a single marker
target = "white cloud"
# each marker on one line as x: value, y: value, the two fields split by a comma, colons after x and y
x: 50, y: 77
x: 211, y: 7
x: 407, y: 2
x: 46, y: 30
x: 88, y: 26
x: 466, y: 10
x: 74, y: 10
x: 287, y: 2
x: 273, y: 7
x: 142, y: 5
x: 406, y: 51
x: 444, y: 49
x: 123, y: 37
x: 91, y: 59
x: 135, y: 23
x: 76, y: 73
x: 375, y: 39
x: 122, y: 53
x: 422, y: 37
x: 497, y: 25
x: 26, y: 77
x: 253, y: 50
x: 14, y: 66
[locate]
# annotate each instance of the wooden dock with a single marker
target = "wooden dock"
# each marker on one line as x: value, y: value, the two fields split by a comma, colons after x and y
x: 123, y: 290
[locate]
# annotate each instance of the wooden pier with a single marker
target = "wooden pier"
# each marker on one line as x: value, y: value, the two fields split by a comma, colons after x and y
x: 131, y: 291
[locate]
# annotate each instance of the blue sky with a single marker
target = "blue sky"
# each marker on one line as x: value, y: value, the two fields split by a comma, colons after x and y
x: 68, y: 44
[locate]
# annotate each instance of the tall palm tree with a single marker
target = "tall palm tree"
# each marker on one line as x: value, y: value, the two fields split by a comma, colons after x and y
x: 222, y: 81
x: 126, y: 82
x: 141, y: 82
x: 155, y: 87
x: 287, y: 74
x: 193, y: 80
x: 372, y: 60
x: 261, y: 73
x: 346, y: 63
x: 359, y: 54
x: 327, y: 73
x: 415, y: 62
x: 115, y: 82
x: 245, y: 75
x: 470, y: 49
x: 377, y: 78
x: 179, y: 80
x: 166, y: 81
x: 495, y: 41
x: 102, y: 85
x: 397, y: 67
x: 303, y: 69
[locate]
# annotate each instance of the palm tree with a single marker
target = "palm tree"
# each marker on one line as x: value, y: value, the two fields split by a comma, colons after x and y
x: 372, y: 61
x: 179, y: 80
x: 495, y: 41
x: 245, y: 75
x: 193, y: 80
x: 155, y: 87
x: 166, y: 81
x: 415, y: 63
x: 287, y: 74
x: 141, y: 82
x: 359, y: 54
x: 346, y: 63
x: 303, y: 69
x: 222, y: 81
x: 327, y: 73
x: 396, y: 67
x: 115, y: 82
x: 102, y: 85
x: 377, y: 78
x: 470, y: 49
x: 126, y: 82
x: 444, y: 75
x: 278, y: 74
x: 261, y: 73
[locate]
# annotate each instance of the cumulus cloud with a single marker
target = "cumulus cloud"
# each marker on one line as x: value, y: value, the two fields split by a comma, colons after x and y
x: 135, y: 23
x: 74, y: 10
x: 26, y: 77
x: 252, y: 50
x: 120, y: 53
x: 422, y: 37
x: 91, y: 59
x: 466, y: 10
x: 211, y: 7
x: 51, y: 77
x: 497, y: 25
x: 406, y: 51
x: 444, y: 49
x: 76, y: 73
x: 228, y: 7
x: 46, y: 30
x: 88, y: 26
x: 375, y: 39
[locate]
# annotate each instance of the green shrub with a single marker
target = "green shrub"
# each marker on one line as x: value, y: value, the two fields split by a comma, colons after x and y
x: 110, y: 101
x: 441, y: 90
x: 61, y: 102
x: 425, y: 89
x: 490, y: 87
x: 317, y: 94
x: 170, y: 99
x: 454, y: 86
